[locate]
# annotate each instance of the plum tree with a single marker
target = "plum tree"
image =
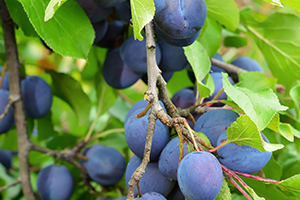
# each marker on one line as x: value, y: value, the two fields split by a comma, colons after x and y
x: 135, y: 135
x: 55, y: 182
x: 6, y: 158
x: 108, y: 3
x: 244, y: 158
x: 152, y: 196
x: 116, y: 73
x: 105, y: 166
x: 169, y: 158
x: 200, y: 176
x: 152, y: 180
x: 8, y: 120
x: 213, y: 123
x: 37, y: 96
x: 94, y: 12
x: 172, y: 57
x: 180, y: 19
x: 133, y: 53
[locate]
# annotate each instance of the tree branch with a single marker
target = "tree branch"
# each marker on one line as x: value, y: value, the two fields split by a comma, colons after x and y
x: 227, y: 67
x: 12, y: 61
x: 16, y: 182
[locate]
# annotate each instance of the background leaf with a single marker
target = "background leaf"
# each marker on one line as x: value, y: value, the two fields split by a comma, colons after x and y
x: 52, y: 7
x: 70, y: 91
x: 142, y: 12
x: 291, y: 184
x: 63, y: 33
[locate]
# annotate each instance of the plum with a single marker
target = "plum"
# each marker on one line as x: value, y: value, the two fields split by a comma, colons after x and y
x: 244, y: 158
x: 100, y: 29
x: 169, y: 158
x: 8, y: 120
x: 152, y: 180
x: 184, y: 98
x: 37, y: 95
x: 6, y: 158
x: 5, y: 82
x: 214, y: 122
x: 138, y: 105
x: 108, y: 3
x: 135, y: 135
x: 178, y: 42
x: 55, y: 183
x: 152, y: 196
x: 217, y: 78
x: 172, y: 57
x: 113, y: 35
x: 176, y: 193
x: 200, y: 176
x: 123, y: 11
x: 248, y: 64
x: 180, y: 19
x: 105, y: 166
x: 133, y: 53
x: 214, y: 68
x: 116, y: 73
x: 94, y: 12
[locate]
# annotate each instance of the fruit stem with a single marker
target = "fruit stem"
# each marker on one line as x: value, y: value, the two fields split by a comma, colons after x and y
x: 180, y: 145
x: 238, y: 187
x: 144, y: 112
x: 218, y: 147
x: 105, y: 133
x: 187, y: 126
x: 267, y: 180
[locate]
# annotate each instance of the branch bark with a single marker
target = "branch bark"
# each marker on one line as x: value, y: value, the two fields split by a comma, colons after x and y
x: 12, y: 61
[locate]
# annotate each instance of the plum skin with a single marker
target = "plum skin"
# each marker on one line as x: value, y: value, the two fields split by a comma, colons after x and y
x: 152, y: 181
x: 37, y: 95
x: 244, y: 158
x: 6, y: 158
x: 152, y: 196
x: 169, y: 158
x: 200, y: 176
x: 8, y: 120
x: 55, y: 183
x: 105, y: 166
x: 214, y: 122
x: 180, y: 19
x: 135, y: 135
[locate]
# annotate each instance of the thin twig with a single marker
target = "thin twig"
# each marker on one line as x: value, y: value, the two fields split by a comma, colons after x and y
x: 9, y: 104
x: 16, y: 182
x: 227, y: 67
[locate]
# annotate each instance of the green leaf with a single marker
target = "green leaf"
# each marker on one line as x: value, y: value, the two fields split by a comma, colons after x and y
x: 142, y: 12
x: 259, y: 106
x: 106, y: 95
x: 208, y: 88
x: 200, y: 63
x: 244, y: 132
x: 224, y: 193
x: 70, y: 91
x: 254, y: 195
x: 45, y: 128
x: 52, y: 7
x: 256, y: 81
x: 281, y: 128
x: 225, y: 12
x: 13, y: 191
x: 235, y: 41
x: 292, y: 3
x: 211, y: 37
x: 64, y: 32
x: 295, y: 94
x: 272, y: 169
x: 9, y: 141
x: 278, y: 39
x: 62, y: 142
x: 19, y: 16
x: 291, y: 184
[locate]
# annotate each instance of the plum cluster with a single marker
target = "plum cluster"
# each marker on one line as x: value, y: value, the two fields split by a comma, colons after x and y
x: 37, y: 96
